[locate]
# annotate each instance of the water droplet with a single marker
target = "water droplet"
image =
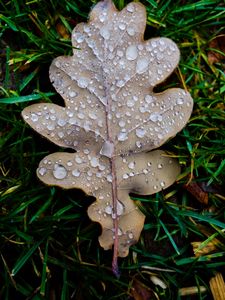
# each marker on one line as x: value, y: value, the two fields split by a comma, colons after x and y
x: 145, y: 171
x: 119, y: 208
x: 119, y: 232
x: 78, y: 37
x: 154, y: 117
x: 149, y: 99
x: 122, y: 26
x: 107, y: 149
x: 122, y: 123
x: 76, y: 173
x: 131, y: 52
x: 108, y: 209
x: 130, y: 103
x: 61, y: 122
x: 119, y: 53
x: 51, y: 126
x: 125, y: 176
x: 87, y: 28
x: 102, y: 18
x: 78, y: 160
x: 34, y: 117
x: 69, y: 163
x: 180, y: 101
x: 131, y: 165
x: 131, y: 31
x: 122, y: 136
x: 130, y: 235
x: 159, y: 166
x: 92, y: 116
x: 130, y: 7
x: 83, y: 82
x: 162, y: 183
x: 109, y: 178
x: 104, y: 32
x: 94, y: 162
x: 120, y: 83
x: 59, y: 171
x: 142, y: 65
x: 42, y: 171
x: 72, y: 94
x: 140, y: 132
x: 81, y: 116
x: 138, y: 144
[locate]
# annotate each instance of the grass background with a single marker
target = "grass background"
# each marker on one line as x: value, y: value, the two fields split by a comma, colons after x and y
x: 48, y: 246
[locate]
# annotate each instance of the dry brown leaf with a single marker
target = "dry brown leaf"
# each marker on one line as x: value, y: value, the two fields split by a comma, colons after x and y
x: 192, y: 290
x: 195, y: 189
x: 140, y: 291
x: 217, y: 287
x: 217, y: 52
x: 112, y: 118
x: 200, y: 250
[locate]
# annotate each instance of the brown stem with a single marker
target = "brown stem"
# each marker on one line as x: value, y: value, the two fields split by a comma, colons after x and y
x: 115, y: 267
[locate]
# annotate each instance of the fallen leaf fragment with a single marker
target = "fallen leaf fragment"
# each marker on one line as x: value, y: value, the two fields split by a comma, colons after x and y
x: 195, y: 189
x: 140, y: 291
x: 192, y: 290
x: 206, y: 249
x: 112, y: 119
x: 217, y: 287
x: 217, y: 52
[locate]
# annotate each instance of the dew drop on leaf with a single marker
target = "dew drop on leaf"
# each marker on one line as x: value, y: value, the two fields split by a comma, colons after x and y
x: 59, y: 171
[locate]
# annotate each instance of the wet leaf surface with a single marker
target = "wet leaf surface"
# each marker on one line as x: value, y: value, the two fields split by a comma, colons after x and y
x: 112, y: 118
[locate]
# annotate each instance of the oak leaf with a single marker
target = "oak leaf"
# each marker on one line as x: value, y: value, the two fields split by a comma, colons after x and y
x: 112, y: 118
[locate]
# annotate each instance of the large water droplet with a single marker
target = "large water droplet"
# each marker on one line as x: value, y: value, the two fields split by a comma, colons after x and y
x: 34, y: 117
x: 122, y: 26
x: 72, y: 94
x: 131, y: 31
x: 78, y: 37
x: 180, y: 101
x: 122, y: 123
x: 107, y: 149
x: 61, y: 122
x: 59, y: 171
x: 131, y: 165
x: 104, y: 32
x: 92, y: 116
x: 119, y: 208
x: 122, y: 136
x: 108, y: 209
x: 109, y: 178
x: 154, y: 117
x: 149, y: 99
x: 142, y: 65
x: 140, y: 132
x: 78, y: 160
x: 131, y: 52
x: 42, y: 171
x: 76, y: 173
x: 130, y: 102
x: 94, y: 162
x: 83, y: 82
x: 130, y: 235
x: 130, y: 8
x: 125, y: 176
